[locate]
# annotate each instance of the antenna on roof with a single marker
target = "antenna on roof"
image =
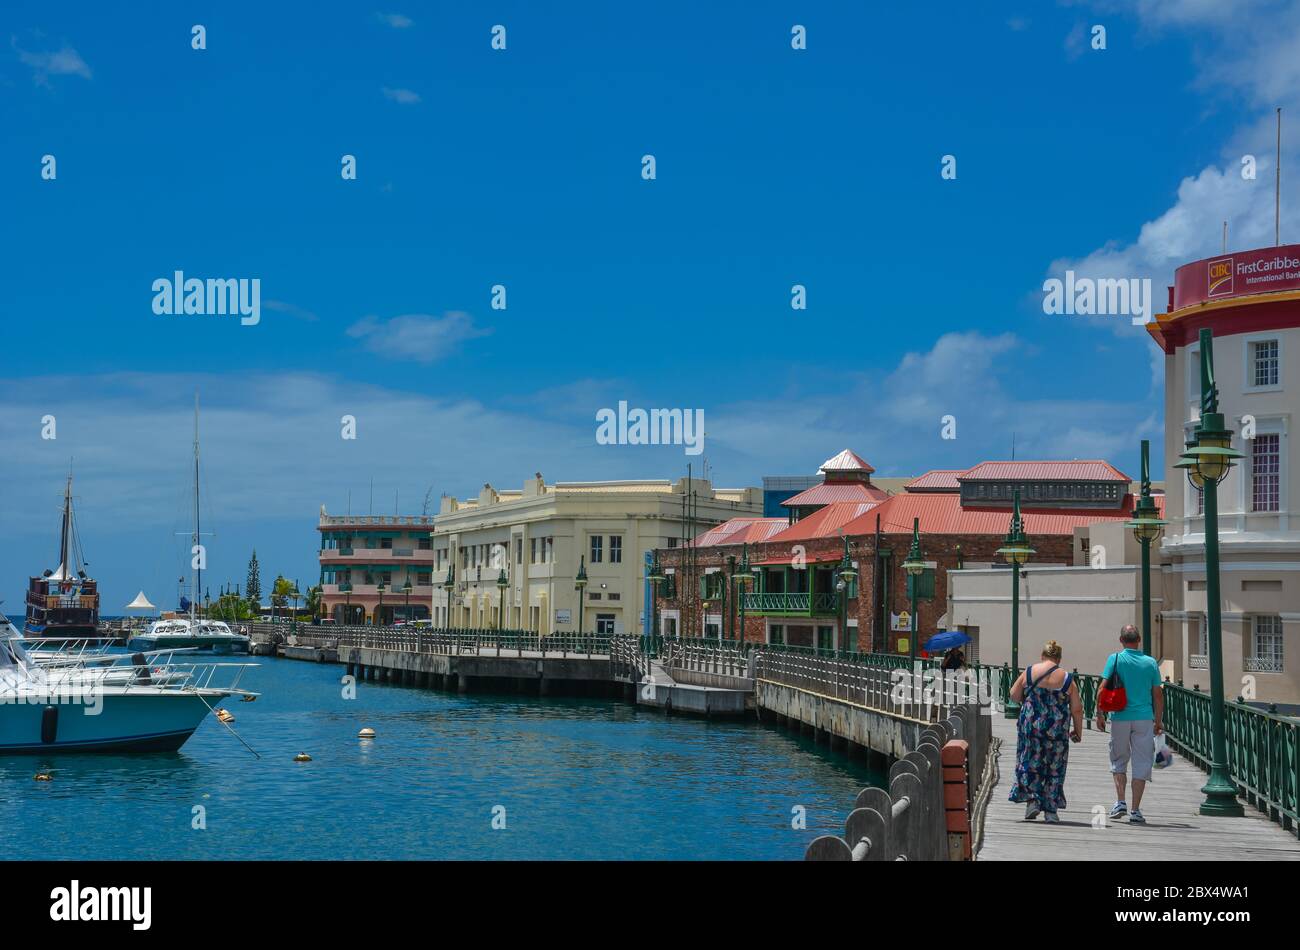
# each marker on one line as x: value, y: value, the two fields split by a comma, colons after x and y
x: 1277, y: 188
x: 1225, y: 237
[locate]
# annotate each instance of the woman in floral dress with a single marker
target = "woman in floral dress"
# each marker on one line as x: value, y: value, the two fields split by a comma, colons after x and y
x: 1051, y: 717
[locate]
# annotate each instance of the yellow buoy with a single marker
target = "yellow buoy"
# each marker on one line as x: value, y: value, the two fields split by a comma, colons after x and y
x: 43, y: 777
x: 302, y: 757
x: 366, y: 733
x: 225, y: 716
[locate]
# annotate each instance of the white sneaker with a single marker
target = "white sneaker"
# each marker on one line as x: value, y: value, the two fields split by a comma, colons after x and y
x: 1031, y: 811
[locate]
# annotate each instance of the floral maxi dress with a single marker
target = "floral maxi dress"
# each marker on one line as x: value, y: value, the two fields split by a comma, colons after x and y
x: 1043, y: 744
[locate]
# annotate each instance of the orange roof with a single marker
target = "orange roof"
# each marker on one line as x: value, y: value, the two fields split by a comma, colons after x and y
x: 939, y: 479
x: 828, y: 493
x: 1097, y: 470
x: 943, y: 514
x: 825, y: 523
x: 846, y: 461
x: 740, y: 530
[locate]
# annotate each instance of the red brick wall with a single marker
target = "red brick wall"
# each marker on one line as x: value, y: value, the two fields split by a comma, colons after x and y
x: 942, y: 549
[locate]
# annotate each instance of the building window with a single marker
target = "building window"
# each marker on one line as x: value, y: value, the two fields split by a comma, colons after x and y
x: 615, y: 549
x: 424, y: 543
x: 519, y: 550
x: 1265, y: 472
x: 597, y: 549
x: 1266, y: 644
x: 548, y: 550
x: 776, y: 634
x: 532, y: 550
x: 1264, y: 363
x: 672, y: 542
x: 604, y: 625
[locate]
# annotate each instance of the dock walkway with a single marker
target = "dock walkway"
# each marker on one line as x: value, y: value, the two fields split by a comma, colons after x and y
x: 1174, y: 831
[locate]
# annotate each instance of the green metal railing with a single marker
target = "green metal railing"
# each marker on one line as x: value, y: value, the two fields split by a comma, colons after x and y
x: 1263, y: 750
x: 798, y: 604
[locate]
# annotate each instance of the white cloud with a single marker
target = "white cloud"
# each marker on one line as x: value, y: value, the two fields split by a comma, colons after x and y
x: 65, y: 61
x: 405, y: 96
x: 416, y: 336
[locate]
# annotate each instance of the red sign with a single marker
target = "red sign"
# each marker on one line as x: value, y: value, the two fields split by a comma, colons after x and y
x: 1262, y: 271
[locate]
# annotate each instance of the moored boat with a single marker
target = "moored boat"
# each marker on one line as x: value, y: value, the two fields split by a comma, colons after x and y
x: 63, y: 604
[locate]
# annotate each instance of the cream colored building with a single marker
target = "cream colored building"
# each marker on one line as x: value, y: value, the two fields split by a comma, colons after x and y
x: 539, y: 535
x: 1258, y: 376
x: 1082, y: 605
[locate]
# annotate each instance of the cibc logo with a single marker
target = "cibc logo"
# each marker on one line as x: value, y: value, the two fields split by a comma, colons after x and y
x: 1220, y: 277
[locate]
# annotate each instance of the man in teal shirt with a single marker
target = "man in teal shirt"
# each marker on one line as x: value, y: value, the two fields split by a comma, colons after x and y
x: 1133, y: 728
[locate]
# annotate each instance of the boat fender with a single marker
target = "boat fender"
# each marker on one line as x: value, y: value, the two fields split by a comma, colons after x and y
x: 142, y: 668
x: 302, y: 757
x: 43, y: 777
x: 225, y: 716
x: 49, y: 724
x: 366, y: 733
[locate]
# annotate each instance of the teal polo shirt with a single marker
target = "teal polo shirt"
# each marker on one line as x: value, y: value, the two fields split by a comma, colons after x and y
x: 1140, y: 674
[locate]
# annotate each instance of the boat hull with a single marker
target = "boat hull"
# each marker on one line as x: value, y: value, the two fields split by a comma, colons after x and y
x: 224, y: 647
x: 129, y: 722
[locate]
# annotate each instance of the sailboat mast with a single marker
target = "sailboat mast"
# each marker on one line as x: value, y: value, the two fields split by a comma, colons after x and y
x: 195, y: 559
x: 67, y: 527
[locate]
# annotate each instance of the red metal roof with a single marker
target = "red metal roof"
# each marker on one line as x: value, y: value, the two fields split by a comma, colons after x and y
x: 1097, y: 470
x: 828, y: 493
x: 939, y: 479
x: 740, y: 530
x: 943, y: 514
x: 823, y: 524
x: 846, y: 461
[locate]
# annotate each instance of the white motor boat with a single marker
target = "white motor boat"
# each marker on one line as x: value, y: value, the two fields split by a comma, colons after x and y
x: 194, y: 634
x: 153, y: 704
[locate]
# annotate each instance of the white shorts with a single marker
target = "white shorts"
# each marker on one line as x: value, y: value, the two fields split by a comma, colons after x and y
x: 1133, y: 741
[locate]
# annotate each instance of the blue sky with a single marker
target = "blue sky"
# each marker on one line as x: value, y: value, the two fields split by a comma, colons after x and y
x: 522, y: 167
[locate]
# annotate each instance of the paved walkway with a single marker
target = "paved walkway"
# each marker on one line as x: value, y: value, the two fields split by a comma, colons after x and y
x: 1174, y: 830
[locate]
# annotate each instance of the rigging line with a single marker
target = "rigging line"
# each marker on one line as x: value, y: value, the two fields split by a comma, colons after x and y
x: 227, y: 725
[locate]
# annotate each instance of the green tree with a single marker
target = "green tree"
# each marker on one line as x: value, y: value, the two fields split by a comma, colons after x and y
x: 281, y: 591
x: 313, y: 604
x: 253, y: 594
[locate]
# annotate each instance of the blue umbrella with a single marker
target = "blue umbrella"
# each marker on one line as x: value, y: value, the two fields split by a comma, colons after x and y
x: 946, y: 640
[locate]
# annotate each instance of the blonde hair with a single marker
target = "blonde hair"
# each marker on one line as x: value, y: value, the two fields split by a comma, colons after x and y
x: 1052, y: 650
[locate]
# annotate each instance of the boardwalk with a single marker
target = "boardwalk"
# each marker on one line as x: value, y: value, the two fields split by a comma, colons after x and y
x: 1174, y: 831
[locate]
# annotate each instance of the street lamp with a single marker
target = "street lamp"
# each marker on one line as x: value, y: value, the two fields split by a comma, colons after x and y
x: 579, y: 583
x: 296, y: 594
x: 655, y: 577
x: 502, y: 583
x: 1015, y: 551
x: 742, y: 578
x: 1147, y: 528
x: 406, y: 589
x: 914, y: 568
x: 1207, y: 459
x: 847, y: 576
x: 448, y: 585
x: 379, y: 611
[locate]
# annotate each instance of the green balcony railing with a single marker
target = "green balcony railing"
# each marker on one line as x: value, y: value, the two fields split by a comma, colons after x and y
x: 800, y: 605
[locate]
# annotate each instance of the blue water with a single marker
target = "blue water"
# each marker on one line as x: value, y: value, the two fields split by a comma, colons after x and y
x: 577, y: 778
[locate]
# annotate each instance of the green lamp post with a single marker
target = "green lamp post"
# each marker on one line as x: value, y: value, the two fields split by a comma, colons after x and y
x: 1015, y: 551
x: 1147, y: 528
x: 579, y: 584
x: 379, y: 611
x: 502, y: 583
x: 448, y: 585
x: 847, y: 576
x: 914, y: 567
x: 656, y: 577
x: 406, y: 589
x: 1207, y: 459
x: 742, y: 578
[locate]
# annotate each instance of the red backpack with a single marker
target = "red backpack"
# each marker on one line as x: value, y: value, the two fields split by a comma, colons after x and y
x: 1112, y: 697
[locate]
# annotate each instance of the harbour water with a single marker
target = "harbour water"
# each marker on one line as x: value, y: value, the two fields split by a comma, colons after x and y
x: 572, y: 779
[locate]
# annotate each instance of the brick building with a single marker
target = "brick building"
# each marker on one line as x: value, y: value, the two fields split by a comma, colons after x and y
x: 796, y: 596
